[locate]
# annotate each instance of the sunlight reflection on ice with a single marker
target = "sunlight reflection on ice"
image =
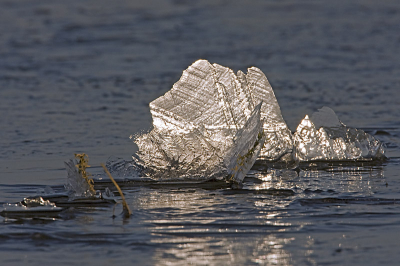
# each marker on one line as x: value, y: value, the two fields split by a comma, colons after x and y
x: 214, y: 124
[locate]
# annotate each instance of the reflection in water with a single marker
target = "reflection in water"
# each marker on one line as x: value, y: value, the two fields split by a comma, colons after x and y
x: 214, y: 250
x: 270, y: 251
x: 280, y: 217
x: 210, y: 227
x: 353, y: 181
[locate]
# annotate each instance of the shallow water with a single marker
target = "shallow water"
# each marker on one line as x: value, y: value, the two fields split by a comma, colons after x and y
x: 77, y: 77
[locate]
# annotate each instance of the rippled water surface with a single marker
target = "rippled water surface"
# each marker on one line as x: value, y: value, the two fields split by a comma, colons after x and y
x: 78, y: 76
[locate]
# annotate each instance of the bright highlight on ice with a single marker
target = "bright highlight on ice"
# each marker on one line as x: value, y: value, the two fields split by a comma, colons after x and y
x: 215, y: 124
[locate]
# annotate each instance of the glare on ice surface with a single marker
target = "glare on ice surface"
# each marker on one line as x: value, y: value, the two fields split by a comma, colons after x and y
x: 195, y: 123
x: 213, y: 123
x: 197, y: 158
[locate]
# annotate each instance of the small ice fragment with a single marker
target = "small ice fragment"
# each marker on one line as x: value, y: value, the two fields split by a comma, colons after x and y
x: 28, y: 208
x: 108, y: 193
x: 37, y: 202
x: 333, y: 140
x: 45, y: 191
x: 76, y: 185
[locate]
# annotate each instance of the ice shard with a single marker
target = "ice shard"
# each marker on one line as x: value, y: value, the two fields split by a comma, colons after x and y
x: 197, y: 122
x: 246, y: 147
x: 325, y: 137
x: 76, y: 185
x: 279, y: 140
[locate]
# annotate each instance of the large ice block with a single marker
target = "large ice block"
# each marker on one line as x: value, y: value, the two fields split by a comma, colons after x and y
x: 213, y: 123
x: 213, y: 96
x: 200, y: 119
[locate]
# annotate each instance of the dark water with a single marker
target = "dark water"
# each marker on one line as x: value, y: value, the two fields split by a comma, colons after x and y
x: 77, y: 76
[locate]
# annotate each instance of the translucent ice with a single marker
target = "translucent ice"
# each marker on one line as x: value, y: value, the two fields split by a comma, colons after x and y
x: 194, y: 155
x: 325, y: 137
x: 213, y: 123
x: 246, y: 147
x: 76, y: 185
x: 120, y: 168
x: 199, y: 120
x: 279, y: 141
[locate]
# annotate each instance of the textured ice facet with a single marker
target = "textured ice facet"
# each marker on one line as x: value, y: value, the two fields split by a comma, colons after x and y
x: 246, y: 147
x: 278, y: 136
x: 192, y: 155
x: 213, y: 96
x: 325, y: 137
x: 198, y: 121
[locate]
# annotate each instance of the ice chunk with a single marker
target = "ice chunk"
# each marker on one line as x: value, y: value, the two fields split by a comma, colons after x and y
x: 193, y: 155
x: 313, y: 144
x: 199, y: 119
x: 207, y: 125
x: 76, y: 185
x: 213, y: 96
x: 329, y: 139
x: 34, y: 207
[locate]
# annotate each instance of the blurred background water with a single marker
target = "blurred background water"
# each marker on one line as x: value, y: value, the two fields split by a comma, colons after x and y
x: 77, y: 76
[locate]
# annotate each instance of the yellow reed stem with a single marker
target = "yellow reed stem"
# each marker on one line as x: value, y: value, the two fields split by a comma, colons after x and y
x: 82, y: 165
x: 127, y: 211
